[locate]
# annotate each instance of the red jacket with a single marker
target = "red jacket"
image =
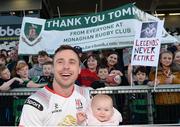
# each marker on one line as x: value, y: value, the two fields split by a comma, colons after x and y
x: 86, y: 77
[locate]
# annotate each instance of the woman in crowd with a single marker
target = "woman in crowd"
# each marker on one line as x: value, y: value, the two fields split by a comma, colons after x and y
x: 169, y: 102
x: 113, y: 62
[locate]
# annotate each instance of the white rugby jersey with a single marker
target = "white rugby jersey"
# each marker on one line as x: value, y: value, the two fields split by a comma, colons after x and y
x: 46, y: 108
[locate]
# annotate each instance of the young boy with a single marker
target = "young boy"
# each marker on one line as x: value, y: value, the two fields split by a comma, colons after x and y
x: 138, y: 104
x: 102, y: 74
x: 106, y: 79
x: 47, y: 73
x: 7, y: 83
x: 102, y: 112
x: 22, y: 71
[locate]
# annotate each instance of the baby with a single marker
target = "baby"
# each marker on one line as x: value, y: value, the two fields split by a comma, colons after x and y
x: 102, y: 112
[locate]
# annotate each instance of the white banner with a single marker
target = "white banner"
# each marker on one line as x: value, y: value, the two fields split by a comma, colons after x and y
x: 147, y: 44
x: 115, y: 28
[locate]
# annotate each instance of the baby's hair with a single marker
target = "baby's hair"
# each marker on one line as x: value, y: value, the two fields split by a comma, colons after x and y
x: 101, y: 97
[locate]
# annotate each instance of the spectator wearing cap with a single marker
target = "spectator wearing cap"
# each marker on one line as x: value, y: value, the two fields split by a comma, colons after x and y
x: 37, y: 69
x: 80, y: 52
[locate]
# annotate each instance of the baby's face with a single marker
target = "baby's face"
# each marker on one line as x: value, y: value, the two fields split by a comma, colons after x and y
x: 102, y: 110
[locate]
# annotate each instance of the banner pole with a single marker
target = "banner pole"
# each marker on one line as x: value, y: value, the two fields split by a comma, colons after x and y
x: 96, y: 8
x: 24, y: 14
x: 58, y: 11
x: 155, y: 84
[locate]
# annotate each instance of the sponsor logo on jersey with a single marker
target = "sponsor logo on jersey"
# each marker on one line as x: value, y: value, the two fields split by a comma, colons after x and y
x: 79, y: 104
x: 56, y: 108
x: 34, y: 103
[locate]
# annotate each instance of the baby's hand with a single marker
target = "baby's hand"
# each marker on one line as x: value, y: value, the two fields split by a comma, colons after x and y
x: 81, y: 117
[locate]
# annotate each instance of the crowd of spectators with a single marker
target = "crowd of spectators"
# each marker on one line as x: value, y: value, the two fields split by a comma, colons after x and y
x: 106, y: 68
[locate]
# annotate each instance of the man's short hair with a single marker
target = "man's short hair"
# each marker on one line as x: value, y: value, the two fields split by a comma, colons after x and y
x: 67, y: 47
x: 42, y: 53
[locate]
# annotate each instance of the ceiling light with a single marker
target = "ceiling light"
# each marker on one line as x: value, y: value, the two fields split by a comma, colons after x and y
x: 174, y: 13
x: 30, y: 12
x: 159, y: 14
x: 12, y: 13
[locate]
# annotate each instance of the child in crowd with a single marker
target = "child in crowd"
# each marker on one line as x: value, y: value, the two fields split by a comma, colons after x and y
x: 166, y: 102
x: 6, y: 82
x: 102, y: 112
x: 36, y: 70
x: 22, y: 71
x: 106, y: 79
x: 138, y: 102
x: 89, y: 74
x: 47, y: 73
x: 140, y: 76
x: 2, y: 59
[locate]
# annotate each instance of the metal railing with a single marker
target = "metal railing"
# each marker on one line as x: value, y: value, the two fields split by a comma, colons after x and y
x: 149, y: 90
